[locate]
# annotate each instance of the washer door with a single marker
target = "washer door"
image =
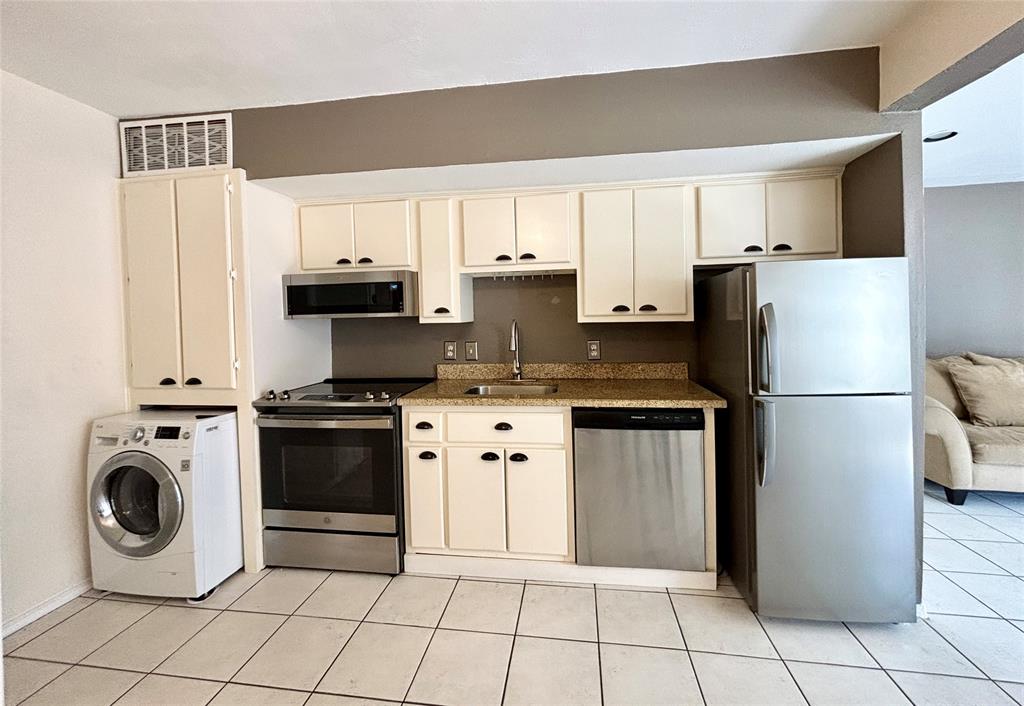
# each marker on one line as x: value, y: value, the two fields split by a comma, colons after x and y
x: 136, y: 504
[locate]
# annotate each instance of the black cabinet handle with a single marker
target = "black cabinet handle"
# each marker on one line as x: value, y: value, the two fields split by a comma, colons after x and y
x: 344, y: 261
x: 365, y: 261
x: 503, y: 426
x: 753, y: 248
x: 620, y: 308
x: 442, y: 310
x: 428, y: 455
x: 648, y: 307
x: 424, y: 425
x: 781, y: 247
x: 168, y: 381
x: 489, y: 456
x: 504, y: 258
x: 193, y: 381
x: 518, y: 458
x: 527, y: 256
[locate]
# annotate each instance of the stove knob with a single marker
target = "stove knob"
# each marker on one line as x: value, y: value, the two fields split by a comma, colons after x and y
x: 138, y: 433
x: 271, y: 395
x: 284, y: 395
x: 385, y: 396
x: 368, y: 395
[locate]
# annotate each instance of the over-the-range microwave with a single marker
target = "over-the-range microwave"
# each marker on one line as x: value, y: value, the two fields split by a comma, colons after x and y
x: 338, y: 295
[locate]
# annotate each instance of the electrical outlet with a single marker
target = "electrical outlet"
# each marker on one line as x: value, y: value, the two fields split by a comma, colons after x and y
x: 451, y: 350
x: 471, y: 351
x: 593, y: 350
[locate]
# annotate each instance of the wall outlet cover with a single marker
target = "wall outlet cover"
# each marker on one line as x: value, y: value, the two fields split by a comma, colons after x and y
x: 451, y: 351
x: 472, y: 353
x: 593, y: 350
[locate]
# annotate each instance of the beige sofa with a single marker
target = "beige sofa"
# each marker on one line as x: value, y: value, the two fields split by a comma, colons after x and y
x: 959, y: 455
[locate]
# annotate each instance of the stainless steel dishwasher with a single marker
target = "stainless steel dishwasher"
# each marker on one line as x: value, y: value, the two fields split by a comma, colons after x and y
x: 640, y: 488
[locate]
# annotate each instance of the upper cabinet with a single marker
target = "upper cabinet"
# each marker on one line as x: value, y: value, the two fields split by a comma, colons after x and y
x: 445, y: 296
x: 536, y: 229
x: 365, y: 234
x: 634, y: 262
x: 783, y: 218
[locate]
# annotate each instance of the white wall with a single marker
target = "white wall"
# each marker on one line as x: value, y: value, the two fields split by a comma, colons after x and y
x: 63, y: 360
x: 974, y: 264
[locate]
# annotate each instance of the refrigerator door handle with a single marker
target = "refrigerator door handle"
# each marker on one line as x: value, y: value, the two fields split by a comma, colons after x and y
x: 764, y: 431
x: 767, y: 349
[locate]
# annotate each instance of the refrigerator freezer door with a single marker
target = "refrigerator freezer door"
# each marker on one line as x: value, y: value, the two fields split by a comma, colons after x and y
x: 835, y: 508
x: 831, y: 327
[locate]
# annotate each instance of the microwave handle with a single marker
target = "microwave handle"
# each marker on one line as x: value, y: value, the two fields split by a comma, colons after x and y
x: 281, y: 421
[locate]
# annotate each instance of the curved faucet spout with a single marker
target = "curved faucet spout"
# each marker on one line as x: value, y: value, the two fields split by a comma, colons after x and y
x: 513, y: 345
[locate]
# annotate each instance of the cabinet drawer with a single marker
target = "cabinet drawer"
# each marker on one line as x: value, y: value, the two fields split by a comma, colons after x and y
x: 506, y: 428
x: 424, y: 427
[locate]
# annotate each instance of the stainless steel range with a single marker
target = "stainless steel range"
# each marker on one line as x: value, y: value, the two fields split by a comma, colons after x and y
x: 330, y: 463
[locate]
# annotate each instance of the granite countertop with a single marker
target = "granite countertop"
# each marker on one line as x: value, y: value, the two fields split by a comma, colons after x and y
x: 652, y: 385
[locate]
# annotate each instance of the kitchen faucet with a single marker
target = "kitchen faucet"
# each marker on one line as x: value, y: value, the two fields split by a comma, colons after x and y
x: 513, y: 345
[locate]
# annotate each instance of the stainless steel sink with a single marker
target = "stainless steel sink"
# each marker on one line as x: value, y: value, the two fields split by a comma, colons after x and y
x: 511, y: 389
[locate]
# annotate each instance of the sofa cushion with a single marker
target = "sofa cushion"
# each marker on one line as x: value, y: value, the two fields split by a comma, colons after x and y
x: 939, y: 385
x: 998, y: 445
x: 979, y: 359
x: 993, y: 394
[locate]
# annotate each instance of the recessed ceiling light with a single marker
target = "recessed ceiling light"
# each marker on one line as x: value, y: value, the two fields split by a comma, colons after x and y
x: 941, y: 135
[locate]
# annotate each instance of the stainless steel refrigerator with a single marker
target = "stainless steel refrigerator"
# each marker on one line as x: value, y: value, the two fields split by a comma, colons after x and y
x: 815, y: 472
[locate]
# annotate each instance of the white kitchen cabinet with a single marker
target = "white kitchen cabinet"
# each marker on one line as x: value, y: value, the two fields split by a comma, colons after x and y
x: 445, y: 295
x: 537, y: 502
x: 489, y: 231
x: 543, y: 229
x: 327, y: 236
x: 606, y: 277
x: 486, y: 427
x: 660, y: 272
x: 802, y: 216
x: 426, y: 497
x: 476, y: 498
x: 383, y: 234
x: 732, y: 220
x: 151, y: 263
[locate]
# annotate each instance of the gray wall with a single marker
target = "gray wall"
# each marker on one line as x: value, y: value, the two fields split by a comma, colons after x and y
x: 546, y: 311
x: 873, y: 203
x: 974, y: 236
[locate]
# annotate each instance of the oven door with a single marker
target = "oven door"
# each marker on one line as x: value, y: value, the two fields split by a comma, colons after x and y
x: 329, y: 473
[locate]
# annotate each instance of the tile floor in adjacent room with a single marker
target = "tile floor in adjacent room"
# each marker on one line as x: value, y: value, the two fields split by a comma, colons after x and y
x: 291, y: 636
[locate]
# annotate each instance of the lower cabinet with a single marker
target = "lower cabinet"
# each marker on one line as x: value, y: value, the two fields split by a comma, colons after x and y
x: 537, y: 503
x: 426, y: 497
x: 476, y: 499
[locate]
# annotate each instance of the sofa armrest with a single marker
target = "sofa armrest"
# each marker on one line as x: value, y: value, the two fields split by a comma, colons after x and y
x: 948, y: 457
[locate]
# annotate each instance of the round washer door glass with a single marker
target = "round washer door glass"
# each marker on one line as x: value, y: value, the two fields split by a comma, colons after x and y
x: 136, y: 504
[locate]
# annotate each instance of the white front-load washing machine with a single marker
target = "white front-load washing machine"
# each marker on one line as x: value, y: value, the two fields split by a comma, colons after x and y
x: 164, y: 503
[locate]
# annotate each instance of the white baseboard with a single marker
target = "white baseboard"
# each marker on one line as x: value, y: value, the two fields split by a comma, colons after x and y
x: 44, y: 607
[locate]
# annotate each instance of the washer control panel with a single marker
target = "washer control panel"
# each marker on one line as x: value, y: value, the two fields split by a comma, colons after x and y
x: 156, y: 436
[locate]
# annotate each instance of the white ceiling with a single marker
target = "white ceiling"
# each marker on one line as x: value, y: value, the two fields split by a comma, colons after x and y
x: 989, y: 117
x: 144, y: 58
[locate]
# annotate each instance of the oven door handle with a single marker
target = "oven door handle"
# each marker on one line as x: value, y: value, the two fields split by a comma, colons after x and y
x: 347, y: 422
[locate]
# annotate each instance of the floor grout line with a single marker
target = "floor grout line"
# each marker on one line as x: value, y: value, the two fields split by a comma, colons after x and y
x: 597, y: 629
x: 93, y: 600
x: 433, y: 632
x: 776, y: 649
x: 512, y: 649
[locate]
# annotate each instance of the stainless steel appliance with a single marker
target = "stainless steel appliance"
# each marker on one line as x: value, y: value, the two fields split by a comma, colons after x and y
x: 330, y: 464
x: 340, y: 295
x: 816, y: 480
x: 640, y: 488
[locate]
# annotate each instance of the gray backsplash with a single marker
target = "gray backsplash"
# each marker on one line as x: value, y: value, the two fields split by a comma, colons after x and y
x: 546, y: 311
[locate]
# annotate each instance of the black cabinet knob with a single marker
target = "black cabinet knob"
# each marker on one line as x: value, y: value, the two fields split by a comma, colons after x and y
x: 753, y: 248
x: 620, y: 308
x: 489, y: 456
x: 648, y: 307
x: 527, y: 256
x: 518, y: 458
x: 344, y: 261
x: 168, y: 381
x: 424, y: 425
x: 503, y: 426
x: 193, y: 381
x: 428, y: 455
x: 365, y: 261
x: 781, y: 247
x: 504, y: 258
x: 442, y: 310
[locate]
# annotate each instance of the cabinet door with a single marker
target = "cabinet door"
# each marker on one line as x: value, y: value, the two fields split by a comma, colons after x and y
x: 607, y: 267
x: 383, y: 234
x: 476, y: 499
x: 489, y: 231
x: 151, y: 263
x: 802, y: 216
x: 538, y: 516
x: 437, y: 272
x: 732, y: 220
x: 207, y: 296
x: 659, y: 236
x: 426, y: 497
x: 543, y: 229
x: 327, y: 236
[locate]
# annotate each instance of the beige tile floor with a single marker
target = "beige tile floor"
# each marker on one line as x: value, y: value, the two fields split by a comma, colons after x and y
x: 291, y: 636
